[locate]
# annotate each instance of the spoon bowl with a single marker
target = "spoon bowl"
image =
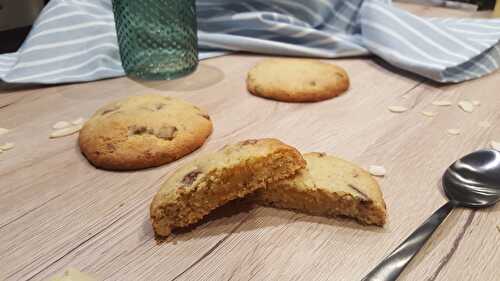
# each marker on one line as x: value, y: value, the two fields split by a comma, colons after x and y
x: 474, y: 180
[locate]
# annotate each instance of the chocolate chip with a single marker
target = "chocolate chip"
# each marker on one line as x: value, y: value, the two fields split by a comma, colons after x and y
x: 247, y: 142
x: 166, y: 132
x: 137, y: 130
x: 321, y: 154
x: 159, y: 106
x: 191, y: 177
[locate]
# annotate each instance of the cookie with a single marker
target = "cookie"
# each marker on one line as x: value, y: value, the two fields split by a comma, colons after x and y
x: 143, y: 131
x: 329, y: 186
x: 210, y: 181
x: 297, y: 80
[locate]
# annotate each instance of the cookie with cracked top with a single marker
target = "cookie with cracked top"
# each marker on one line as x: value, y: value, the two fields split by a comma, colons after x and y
x: 143, y: 131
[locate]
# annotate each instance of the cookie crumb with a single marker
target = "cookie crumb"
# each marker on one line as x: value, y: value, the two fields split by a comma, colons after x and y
x: 442, y: 103
x: 466, y: 106
x: 453, y: 131
x: 495, y: 145
x: 498, y: 228
x: 4, y: 131
x: 378, y: 171
x: 397, y: 108
x: 65, y: 132
x: 73, y: 274
x: 429, y: 113
x: 476, y: 102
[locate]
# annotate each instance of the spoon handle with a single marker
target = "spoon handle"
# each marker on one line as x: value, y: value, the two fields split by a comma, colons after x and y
x: 392, y: 266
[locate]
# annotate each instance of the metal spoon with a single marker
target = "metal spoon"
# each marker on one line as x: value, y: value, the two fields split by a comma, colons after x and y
x: 472, y: 182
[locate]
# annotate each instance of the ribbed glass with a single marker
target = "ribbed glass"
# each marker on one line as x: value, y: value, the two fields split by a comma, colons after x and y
x: 157, y: 38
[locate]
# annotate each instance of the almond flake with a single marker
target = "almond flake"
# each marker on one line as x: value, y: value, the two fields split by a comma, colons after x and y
x: 466, y: 106
x: 3, y: 131
x: 476, y: 102
x: 397, y: 108
x: 453, y: 132
x: 484, y: 124
x: 60, y: 125
x: 429, y: 113
x: 442, y: 103
x: 495, y: 145
x: 65, y: 132
x: 7, y: 146
x: 78, y: 121
x: 377, y: 171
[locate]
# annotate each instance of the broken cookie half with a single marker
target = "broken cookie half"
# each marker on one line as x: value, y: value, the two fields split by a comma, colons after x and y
x: 329, y: 186
x: 212, y: 180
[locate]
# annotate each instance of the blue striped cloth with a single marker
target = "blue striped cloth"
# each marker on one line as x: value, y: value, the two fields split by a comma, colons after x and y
x: 75, y: 40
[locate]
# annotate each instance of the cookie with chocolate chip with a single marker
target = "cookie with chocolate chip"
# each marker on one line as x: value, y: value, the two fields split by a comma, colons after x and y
x: 297, y: 80
x: 142, y: 132
x: 212, y: 180
x: 329, y: 186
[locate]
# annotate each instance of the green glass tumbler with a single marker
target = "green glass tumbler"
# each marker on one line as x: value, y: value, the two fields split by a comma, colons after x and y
x: 157, y: 38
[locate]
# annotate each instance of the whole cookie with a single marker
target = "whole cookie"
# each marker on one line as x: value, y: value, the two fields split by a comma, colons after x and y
x: 297, y: 80
x: 143, y: 131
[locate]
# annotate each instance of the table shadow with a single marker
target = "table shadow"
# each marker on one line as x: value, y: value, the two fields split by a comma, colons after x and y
x: 204, y: 76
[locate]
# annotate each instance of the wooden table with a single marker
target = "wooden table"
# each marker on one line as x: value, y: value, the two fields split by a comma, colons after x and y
x: 57, y: 211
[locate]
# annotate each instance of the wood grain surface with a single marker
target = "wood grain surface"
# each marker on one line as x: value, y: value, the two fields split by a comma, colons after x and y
x: 57, y: 211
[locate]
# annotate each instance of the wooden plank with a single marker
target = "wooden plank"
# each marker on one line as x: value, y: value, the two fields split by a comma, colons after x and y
x: 58, y: 211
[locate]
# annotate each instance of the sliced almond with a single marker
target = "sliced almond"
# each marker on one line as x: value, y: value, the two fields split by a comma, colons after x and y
x: 397, y: 108
x: 429, y: 113
x: 453, y: 131
x: 466, y: 106
x: 65, y: 132
x: 484, y: 124
x: 495, y: 145
x: 60, y: 125
x: 78, y: 121
x: 3, y: 131
x: 378, y: 171
x: 476, y: 102
x: 7, y: 146
x: 442, y: 103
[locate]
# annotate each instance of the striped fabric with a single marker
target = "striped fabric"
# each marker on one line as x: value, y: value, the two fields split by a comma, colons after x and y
x: 75, y: 40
